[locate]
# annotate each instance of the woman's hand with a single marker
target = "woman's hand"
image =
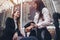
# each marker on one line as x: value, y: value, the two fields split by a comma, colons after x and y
x: 15, y: 36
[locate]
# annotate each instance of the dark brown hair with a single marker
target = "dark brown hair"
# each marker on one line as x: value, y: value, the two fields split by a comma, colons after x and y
x: 40, y: 6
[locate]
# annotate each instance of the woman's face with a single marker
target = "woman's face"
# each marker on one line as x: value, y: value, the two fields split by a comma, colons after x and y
x: 34, y: 5
x: 16, y: 14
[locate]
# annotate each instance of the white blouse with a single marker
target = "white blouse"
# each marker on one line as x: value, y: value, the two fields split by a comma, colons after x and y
x: 46, y: 17
x: 15, y: 24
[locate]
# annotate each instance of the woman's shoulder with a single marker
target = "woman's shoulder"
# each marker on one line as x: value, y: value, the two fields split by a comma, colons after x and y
x: 44, y: 9
x: 9, y: 19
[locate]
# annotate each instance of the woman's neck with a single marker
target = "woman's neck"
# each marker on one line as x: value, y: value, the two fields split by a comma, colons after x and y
x: 15, y: 18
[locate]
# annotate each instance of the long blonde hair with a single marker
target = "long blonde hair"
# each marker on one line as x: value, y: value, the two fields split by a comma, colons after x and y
x: 17, y: 8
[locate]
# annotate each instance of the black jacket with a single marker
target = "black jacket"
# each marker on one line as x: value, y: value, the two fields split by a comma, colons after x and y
x: 10, y: 30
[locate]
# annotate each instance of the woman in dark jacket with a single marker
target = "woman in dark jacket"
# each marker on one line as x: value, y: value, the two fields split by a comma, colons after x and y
x: 11, y: 31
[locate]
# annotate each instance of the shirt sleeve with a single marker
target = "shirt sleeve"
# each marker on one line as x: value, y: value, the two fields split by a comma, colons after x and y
x: 36, y: 17
x: 47, y: 18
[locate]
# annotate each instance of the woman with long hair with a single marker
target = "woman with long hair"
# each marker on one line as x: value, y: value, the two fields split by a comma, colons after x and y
x: 42, y: 20
x: 12, y: 31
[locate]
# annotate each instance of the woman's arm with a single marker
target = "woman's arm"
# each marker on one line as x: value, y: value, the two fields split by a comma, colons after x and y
x: 10, y: 24
x: 36, y: 17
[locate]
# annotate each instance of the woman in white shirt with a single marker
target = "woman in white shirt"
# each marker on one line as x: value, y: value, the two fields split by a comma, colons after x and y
x: 42, y: 20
